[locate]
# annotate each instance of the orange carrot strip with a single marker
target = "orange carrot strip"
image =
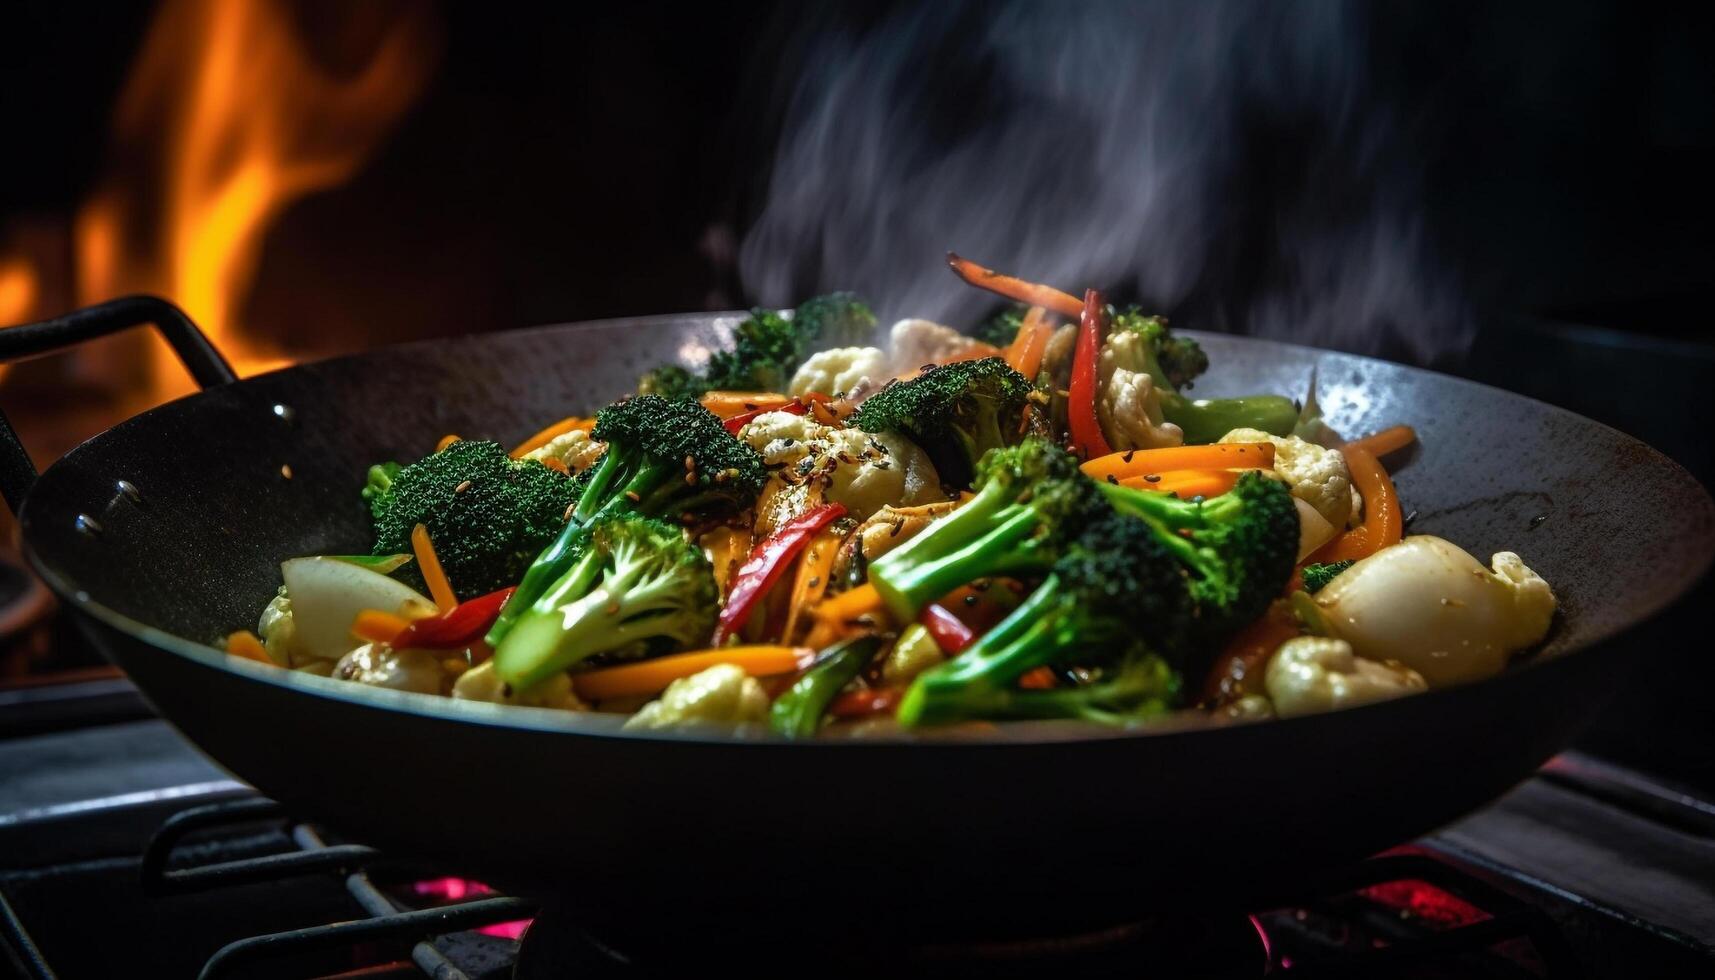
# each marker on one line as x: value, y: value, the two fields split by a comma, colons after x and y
x: 1386, y: 441
x: 1029, y: 361
x: 653, y: 676
x: 1037, y: 679
x: 1032, y: 293
x: 376, y: 626
x: 557, y: 466
x: 446, y: 441
x: 569, y: 424
x: 243, y: 643
x: 1186, y: 483
x: 815, y: 566
x: 1383, y: 525
x: 1142, y: 462
x: 853, y: 604
x: 430, y: 564
x: 727, y: 404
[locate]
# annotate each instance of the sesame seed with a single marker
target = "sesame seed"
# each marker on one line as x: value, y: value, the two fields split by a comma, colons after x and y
x: 1152, y: 478
x: 612, y: 609
x: 815, y: 580
x: 691, y: 478
x: 1113, y: 479
x: 461, y: 488
x: 690, y: 462
x: 1129, y: 453
x: 632, y: 496
x: 286, y: 470
x: 569, y: 508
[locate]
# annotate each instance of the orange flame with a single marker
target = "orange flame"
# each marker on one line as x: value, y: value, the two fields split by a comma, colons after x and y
x: 227, y: 120
x: 18, y: 289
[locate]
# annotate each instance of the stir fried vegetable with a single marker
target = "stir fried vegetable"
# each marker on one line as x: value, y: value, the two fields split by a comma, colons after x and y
x: 1037, y: 524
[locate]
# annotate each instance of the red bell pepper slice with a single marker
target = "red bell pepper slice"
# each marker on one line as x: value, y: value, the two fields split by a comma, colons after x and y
x: 947, y: 630
x: 1085, y: 428
x: 459, y: 626
x: 794, y: 407
x: 767, y: 561
x: 862, y: 704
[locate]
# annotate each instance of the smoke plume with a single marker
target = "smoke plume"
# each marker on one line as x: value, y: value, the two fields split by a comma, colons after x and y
x: 1228, y: 162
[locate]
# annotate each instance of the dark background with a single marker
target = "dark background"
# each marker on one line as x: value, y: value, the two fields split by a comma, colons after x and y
x: 567, y: 163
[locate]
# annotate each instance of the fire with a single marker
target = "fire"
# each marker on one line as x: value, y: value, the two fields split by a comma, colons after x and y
x: 18, y: 289
x: 226, y: 120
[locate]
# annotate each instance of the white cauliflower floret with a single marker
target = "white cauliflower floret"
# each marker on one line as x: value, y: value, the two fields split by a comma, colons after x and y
x: 1428, y: 604
x: 914, y: 343
x: 481, y: 684
x: 1129, y: 405
x: 575, y: 449
x: 1317, y: 475
x: 865, y: 471
x: 721, y: 695
x: 840, y: 371
x: 1312, y: 674
x: 379, y: 665
x: 278, y: 629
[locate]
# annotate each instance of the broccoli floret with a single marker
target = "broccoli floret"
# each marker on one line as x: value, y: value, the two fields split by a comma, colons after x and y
x: 1317, y: 576
x: 834, y: 320
x: 1174, y: 362
x: 487, y: 514
x: 633, y: 580
x: 956, y: 412
x: 1237, y: 549
x: 663, y: 459
x: 1001, y: 328
x: 767, y: 347
x: 764, y: 354
x: 672, y: 382
x: 1031, y: 501
x: 380, y: 480
x: 1115, y: 592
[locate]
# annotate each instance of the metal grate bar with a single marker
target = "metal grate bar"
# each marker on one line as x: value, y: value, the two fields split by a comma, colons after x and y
x: 158, y: 880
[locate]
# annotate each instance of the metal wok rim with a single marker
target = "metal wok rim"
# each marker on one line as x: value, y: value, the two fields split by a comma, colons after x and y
x: 599, y: 725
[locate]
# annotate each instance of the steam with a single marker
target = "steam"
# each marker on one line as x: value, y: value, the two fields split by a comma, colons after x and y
x: 1226, y: 162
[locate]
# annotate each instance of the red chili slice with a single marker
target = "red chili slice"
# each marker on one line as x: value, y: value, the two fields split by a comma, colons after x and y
x: 459, y: 626
x: 1085, y: 428
x: 766, y: 563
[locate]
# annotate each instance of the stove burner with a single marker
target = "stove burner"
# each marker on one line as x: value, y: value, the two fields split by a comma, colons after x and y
x: 558, y: 945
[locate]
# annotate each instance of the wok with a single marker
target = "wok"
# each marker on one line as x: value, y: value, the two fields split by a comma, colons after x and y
x: 167, y: 531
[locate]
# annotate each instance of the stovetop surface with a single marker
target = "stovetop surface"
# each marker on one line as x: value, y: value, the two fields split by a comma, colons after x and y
x: 1584, y: 869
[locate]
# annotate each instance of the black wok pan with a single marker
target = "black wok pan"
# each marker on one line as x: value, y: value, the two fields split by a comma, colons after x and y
x: 167, y: 531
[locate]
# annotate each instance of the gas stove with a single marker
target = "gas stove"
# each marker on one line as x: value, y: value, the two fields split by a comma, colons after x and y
x: 126, y: 853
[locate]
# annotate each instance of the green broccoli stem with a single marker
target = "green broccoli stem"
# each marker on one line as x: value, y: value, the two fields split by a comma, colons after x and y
x: 1169, y: 515
x: 1040, y: 631
x: 798, y: 712
x: 985, y: 536
x: 1139, y: 690
x: 1206, y: 420
x: 578, y: 618
x: 599, y: 497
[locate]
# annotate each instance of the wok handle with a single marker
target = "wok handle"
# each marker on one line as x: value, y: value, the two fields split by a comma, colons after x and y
x: 200, y: 358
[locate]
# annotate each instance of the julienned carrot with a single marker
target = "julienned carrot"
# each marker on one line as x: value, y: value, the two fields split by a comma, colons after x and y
x: 811, y: 583
x: 653, y: 676
x: 1388, y: 440
x: 446, y: 441
x: 1143, y: 462
x: 1383, y: 524
x: 850, y: 611
x: 1032, y: 293
x: 560, y: 428
x: 378, y: 626
x: 1186, y: 483
x: 1025, y: 353
x: 1037, y: 679
x: 430, y: 565
x: 243, y: 643
x: 726, y: 404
